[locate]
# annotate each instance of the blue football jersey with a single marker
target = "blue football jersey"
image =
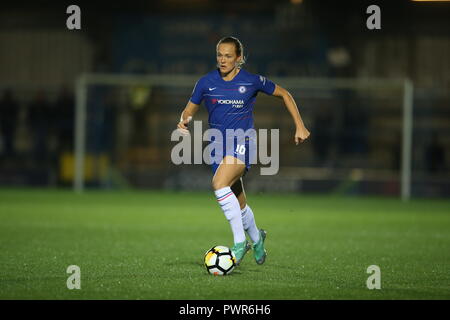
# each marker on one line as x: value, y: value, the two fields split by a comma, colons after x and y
x: 230, y: 103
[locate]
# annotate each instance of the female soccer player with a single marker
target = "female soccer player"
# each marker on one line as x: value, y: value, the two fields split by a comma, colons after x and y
x: 229, y: 93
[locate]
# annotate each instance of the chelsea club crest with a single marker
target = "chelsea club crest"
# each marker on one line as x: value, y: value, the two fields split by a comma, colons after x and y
x: 242, y: 89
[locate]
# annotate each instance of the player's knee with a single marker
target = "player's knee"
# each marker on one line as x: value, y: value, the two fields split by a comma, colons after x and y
x: 218, y: 184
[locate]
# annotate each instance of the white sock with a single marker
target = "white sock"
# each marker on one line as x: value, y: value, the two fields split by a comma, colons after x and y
x: 232, y: 210
x: 248, y: 221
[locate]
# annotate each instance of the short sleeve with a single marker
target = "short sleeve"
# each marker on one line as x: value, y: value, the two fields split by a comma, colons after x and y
x: 197, y: 93
x: 265, y: 85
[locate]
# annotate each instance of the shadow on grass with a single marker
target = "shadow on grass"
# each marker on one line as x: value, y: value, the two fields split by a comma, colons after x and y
x: 238, y: 271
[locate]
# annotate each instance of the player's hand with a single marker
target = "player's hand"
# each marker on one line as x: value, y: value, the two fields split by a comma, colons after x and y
x: 183, y: 126
x: 301, y: 134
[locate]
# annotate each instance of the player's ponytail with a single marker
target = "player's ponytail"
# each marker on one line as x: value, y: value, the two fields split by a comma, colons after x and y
x: 238, y: 45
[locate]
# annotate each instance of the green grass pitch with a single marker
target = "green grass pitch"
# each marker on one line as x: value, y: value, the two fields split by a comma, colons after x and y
x: 150, y: 245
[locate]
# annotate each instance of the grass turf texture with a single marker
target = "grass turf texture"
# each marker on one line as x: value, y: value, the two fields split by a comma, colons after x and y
x: 150, y: 245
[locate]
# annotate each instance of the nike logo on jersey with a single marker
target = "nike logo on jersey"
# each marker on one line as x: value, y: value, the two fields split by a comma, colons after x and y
x: 211, y: 89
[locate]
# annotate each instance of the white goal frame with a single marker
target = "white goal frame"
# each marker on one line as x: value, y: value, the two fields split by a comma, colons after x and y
x: 188, y: 81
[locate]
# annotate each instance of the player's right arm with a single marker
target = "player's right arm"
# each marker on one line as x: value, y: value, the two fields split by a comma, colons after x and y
x: 187, y: 115
x: 192, y: 105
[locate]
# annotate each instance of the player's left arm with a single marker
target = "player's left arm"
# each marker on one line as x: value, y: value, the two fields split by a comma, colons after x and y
x: 301, y: 133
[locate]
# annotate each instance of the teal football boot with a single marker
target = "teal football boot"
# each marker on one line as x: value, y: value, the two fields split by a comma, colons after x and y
x: 258, y: 248
x: 240, y: 249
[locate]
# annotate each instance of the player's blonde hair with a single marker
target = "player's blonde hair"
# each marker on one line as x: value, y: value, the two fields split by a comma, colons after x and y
x: 237, y: 44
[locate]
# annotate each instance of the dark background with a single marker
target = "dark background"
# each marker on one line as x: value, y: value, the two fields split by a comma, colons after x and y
x: 40, y: 59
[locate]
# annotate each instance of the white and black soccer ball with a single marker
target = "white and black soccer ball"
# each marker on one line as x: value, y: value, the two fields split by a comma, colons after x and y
x: 220, y: 260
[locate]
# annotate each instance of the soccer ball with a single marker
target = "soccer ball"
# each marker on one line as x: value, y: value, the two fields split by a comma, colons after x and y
x: 220, y: 260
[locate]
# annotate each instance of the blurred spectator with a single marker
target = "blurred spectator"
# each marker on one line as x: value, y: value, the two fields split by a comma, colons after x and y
x: 9, y: 110
x: 39, y: 120
x: 396, y: 151
x: 101, y: 121
x: 64, y: 119
x: 435, y: 155
x: 323, y: 138
x: 354, y: 125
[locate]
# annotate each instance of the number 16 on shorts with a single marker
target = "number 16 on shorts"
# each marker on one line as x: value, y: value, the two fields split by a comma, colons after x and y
x: 240, y: 148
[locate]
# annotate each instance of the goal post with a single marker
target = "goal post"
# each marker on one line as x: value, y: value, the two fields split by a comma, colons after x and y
x: 407, y: 125
x: 402, y: 87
